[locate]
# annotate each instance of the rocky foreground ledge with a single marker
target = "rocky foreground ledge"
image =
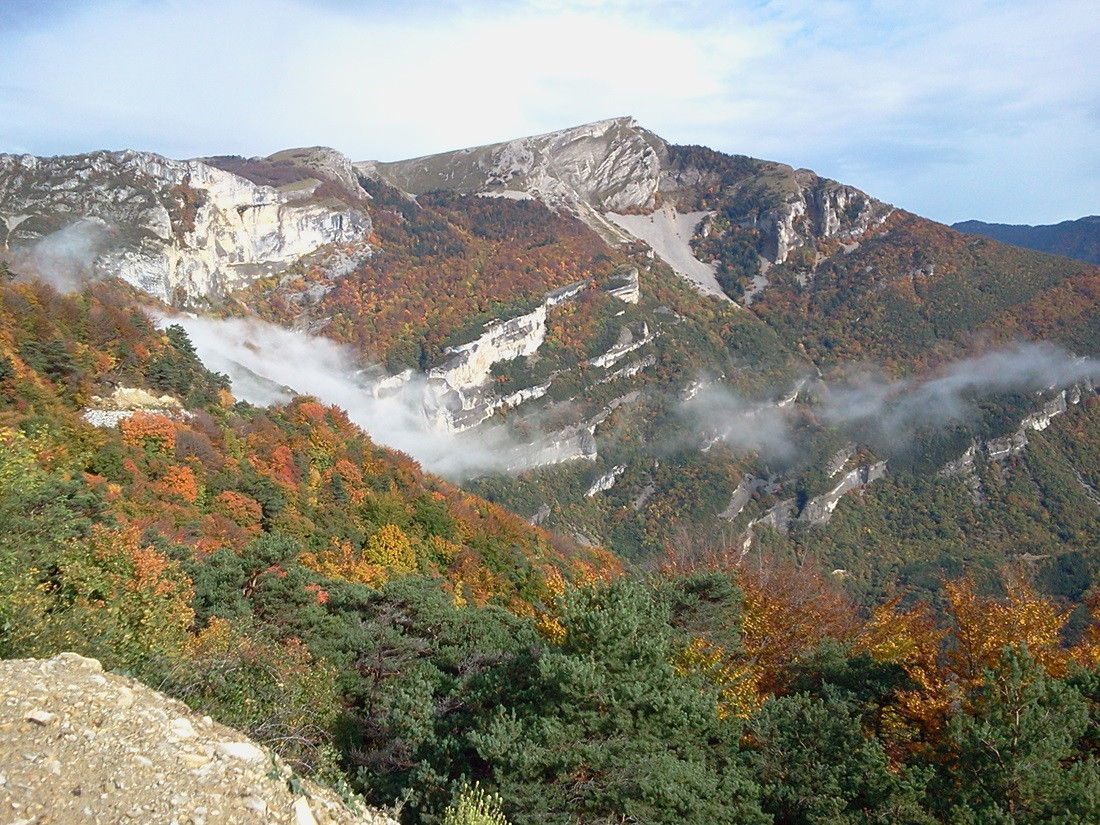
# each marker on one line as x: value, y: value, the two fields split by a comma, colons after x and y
x: 78, y: 745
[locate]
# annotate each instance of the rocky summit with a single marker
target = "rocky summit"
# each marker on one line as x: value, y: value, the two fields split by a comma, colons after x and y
x: 611, y: 172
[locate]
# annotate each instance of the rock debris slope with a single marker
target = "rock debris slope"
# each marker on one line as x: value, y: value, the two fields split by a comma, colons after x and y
x: 79, y: 745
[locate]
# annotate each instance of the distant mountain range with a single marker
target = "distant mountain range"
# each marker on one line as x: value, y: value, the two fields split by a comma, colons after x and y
x: 1078, y: 239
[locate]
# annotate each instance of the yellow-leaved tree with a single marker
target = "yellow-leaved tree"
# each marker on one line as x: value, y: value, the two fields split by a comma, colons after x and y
x: 390, y: 547
x: 985, y: 626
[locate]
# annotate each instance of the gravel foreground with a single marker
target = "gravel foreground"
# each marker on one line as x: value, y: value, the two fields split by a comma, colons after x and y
x: 78, y: 745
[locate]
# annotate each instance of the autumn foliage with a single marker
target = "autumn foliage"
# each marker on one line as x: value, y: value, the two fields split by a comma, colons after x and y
x: 490, y: 257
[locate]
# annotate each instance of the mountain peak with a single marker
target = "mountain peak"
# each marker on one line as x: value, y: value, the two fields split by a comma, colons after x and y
x: 611, y: 171
x: 611, y: 165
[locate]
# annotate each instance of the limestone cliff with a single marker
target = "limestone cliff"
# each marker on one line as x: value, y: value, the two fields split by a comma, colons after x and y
x: 458, y: 394
x: 180, y: 230
x: 609, y: 166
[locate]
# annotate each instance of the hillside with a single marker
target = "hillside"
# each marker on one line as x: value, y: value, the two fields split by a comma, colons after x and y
x: 1078, y: 239
x: 841, y: 283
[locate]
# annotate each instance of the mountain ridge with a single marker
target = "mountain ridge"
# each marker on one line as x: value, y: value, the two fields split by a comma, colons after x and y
x: 583, y: 169
x: 179, y: 230
x: 1078, y: 238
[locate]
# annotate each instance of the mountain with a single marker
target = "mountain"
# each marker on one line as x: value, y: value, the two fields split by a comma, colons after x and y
x: 1078, y: 239
x: 638, y: 344
x: 819, y: 432
x: 614, y: 172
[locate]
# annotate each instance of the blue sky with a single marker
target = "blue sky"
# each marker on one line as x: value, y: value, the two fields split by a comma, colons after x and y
x: 954, y: 110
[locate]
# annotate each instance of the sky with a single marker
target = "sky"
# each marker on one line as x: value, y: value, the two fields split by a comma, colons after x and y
x: 953, y: 109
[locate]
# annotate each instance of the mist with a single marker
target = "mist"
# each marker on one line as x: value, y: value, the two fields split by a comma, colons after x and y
x: 747, y: 426
x: 894, y: 408
x: 268, y: 364
x: 64, y: 259
x: 873, y: 407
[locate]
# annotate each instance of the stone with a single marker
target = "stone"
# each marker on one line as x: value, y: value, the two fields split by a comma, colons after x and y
x: 256, y: 805
x: 240, y: 750
x: 194, y: 760
x: 41, y: 717
x: 75, y: 659
x: 182, y: 728
x: 302, y: 813
x: 124, y: 698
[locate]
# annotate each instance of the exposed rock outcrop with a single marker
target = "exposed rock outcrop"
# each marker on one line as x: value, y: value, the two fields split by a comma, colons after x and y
x: 125, y: 401
x: 606, y: 481
x: 965, y: 466
x: 180, y: 230
x: 629, y: 184
x: 187, y: 230
x: 82, y: 745
x: 820, y: 509
x: 742, y: 495
x: 629, y: 340
x: 609, y: 166
x: 459, y: 395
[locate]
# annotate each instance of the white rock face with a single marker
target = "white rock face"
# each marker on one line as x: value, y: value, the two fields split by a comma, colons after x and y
x: 820, y: 509
x: 179, y: 230
x: 125, y: 402
x: 459, y: 396
x: 1041, y: 420
x: 609, y: 166
x: 741, y: 496
x: 628, y: 342
x: 471, y: 363
x: 630, y: 370
x: 995, y: 449
x: 628, y: 288
x: 572, y: 444
x: 817, y: 208
x: 606, y: 481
